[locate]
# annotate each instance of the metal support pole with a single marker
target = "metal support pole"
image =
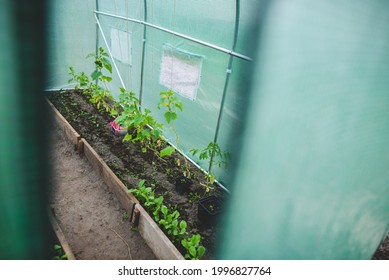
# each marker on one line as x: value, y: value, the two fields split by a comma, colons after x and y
x: 228, y: 74
x: 109, y: 52
x: 97, y: 36
x: 143, y: 52
x: 221, y: 49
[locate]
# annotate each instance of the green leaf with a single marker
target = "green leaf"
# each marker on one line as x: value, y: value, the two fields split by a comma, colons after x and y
x: 184, y: 243
x: 96, y: 74
x: 212, y: 178
x: 183, y: 225
x: 107, y: 78
x: 195, y: 240
x: 128, y: 137
x: 159, y: 199
x: 200, y: 251
x: 113, y: 113
x: 164, y: 210
x: 90, y: 55
x: 170, y: 116
x: 168, y: 151
x: 194, y: 151
x: 107, y: 64
x: 179, y: 105
x: 141, y: 183
x: 192, y: 251
x: 57, y: 247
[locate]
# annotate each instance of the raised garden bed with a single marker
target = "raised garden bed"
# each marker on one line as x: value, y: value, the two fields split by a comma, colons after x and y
x: 112, y: 157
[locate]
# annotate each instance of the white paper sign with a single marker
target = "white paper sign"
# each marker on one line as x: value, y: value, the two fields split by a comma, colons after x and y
x: 181, y: 73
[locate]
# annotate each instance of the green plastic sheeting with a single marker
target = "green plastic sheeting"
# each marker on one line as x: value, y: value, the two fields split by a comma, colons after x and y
x: 312, y: 180
x: 24, y: 227
x: 137, y: 33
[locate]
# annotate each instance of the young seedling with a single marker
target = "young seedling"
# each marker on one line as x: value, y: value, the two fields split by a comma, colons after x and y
x: 195, y: 251
x: 59, y: 253
x: 170, y: 223
x: 171, y: 105
x: 100, y: 97
x: 214, y: 155
x: 125, y: 216
x: 147, y: 197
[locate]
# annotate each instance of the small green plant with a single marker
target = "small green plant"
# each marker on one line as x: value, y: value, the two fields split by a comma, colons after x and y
x: 141, y: 126
x: 171, y: 105
x: 59, y: 253
x: 193, y: 197
x: 147, y: 197
x: 170, y: 222
x: 100, y: 97
x: 101, y: 62
x: 81, y: 79
x: 195, y: 251
x: 215, y: 156
x: 125, y: 216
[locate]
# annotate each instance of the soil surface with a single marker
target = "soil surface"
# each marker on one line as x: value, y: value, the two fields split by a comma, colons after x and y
x: 87, y: 211
x: 131, y: 165
x: 382, y: 252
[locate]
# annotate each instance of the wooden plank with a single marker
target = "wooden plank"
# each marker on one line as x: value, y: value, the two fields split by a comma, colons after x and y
x: 161, y: 246
x: 61, y: 237
x: 125, y: 198
x: 70, y: 132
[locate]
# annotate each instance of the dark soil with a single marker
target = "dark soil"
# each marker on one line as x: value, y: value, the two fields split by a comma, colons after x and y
x: 131, y: 165
x: 382, y: 252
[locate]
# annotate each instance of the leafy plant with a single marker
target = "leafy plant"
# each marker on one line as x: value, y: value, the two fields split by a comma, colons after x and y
x: 170, y: 222
x: 147, y: 197
x: 171, y: 103
x: 101, y: 62
x: 59, y: 253
x: 100, y: 97
x: 195, y: 251
x: 168, y: 151
x: 81, y: 79
x: 193, y: 197
x: 125, y: 216
x: 141, y: 126
x: 215, y: 156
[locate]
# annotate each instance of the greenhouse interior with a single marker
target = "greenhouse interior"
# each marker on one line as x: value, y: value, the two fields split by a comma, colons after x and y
x: 194, y: 130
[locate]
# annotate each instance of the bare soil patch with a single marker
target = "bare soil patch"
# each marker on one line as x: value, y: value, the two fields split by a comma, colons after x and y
x: 87, y: 211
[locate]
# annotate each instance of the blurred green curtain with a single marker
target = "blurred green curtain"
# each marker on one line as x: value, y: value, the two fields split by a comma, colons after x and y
x: 24, y: 227
x: 312, y: 180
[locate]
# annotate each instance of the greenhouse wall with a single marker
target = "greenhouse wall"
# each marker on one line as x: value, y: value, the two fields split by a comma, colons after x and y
x: 313, y: 179
x: 199, y: 49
